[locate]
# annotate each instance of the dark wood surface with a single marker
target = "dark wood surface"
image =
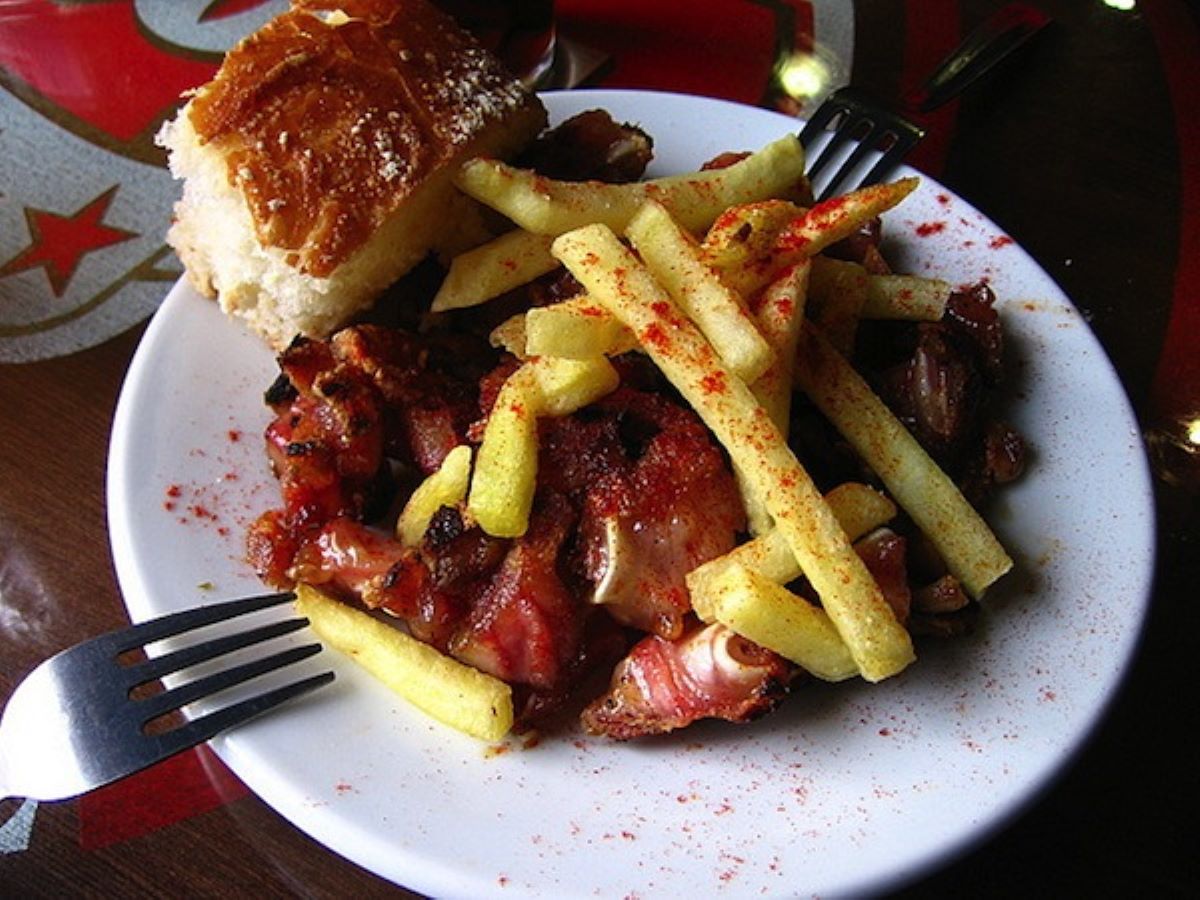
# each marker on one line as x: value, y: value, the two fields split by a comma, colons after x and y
x: 1076, y: 153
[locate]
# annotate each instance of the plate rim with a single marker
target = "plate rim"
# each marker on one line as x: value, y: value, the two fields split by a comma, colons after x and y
x: 131, y: 580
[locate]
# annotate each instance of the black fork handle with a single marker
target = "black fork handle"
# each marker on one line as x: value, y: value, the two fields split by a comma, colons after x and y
x: 1004, y: 32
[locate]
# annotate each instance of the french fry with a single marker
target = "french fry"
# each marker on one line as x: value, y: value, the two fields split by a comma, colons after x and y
x: 489, y: 270
x: 837, y: 218
x: 674, y: 258
x: 511, y: 335
x: 927, y: 494
x: 455, y: 694
x: 547, y: 206
x: 780, y: 317
x: 505, y: 478
x: 566, y: 385
x: 858, y: 508
x: 445, y: 487
x: 773, y: 617
x: 907, y: 297
x: 740, y: 241
x: 768, y: 554
x: 613, y: 275
x: 575, y: 329
x: 837, y: 293
x: 743, y: 589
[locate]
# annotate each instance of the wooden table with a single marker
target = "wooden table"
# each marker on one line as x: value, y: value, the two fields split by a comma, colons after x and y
x: 1087, y: 152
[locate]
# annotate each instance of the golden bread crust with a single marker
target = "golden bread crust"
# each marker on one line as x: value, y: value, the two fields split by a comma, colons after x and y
x: 331, y: 115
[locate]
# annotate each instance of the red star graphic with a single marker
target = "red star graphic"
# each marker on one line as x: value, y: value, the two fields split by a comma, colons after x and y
x: 58, y: 243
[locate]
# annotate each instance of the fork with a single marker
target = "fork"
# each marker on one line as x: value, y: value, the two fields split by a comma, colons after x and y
x: 873, y: 128
x: 76, y: 723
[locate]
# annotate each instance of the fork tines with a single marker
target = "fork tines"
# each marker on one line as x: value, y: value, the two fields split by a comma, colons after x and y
x: 863, y: 133
x: 79, y: 720
x: 147, y: 709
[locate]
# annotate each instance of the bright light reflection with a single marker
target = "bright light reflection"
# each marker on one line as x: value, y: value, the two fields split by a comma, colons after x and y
x: 1193, y: 432
x: 803, y: 75
x: 1122, y: 5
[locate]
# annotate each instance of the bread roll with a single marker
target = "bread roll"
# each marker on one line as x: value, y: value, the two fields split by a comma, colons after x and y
x: 317, y: 164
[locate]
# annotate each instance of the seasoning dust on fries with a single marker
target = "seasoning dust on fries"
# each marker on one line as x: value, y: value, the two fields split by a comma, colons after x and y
x: 458, y: 695
x: 673, y: 472
x: 550, y: 207
x: 877, y: 642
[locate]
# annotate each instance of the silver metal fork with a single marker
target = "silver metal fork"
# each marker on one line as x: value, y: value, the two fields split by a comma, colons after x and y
x: 864, y: 131
x: 870, y: 128
x: 76, y: 722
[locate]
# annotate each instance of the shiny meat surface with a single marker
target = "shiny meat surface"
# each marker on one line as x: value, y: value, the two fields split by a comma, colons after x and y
x: 645, y: 529
x: 526, y: 624
x: 709, y: 673
x: 656, y: 498
x: 883, y: 552
x: 345, y: 410
x: 591, y: 146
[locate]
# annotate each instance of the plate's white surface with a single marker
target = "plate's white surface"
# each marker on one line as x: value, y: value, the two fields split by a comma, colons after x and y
x: 848, y: 788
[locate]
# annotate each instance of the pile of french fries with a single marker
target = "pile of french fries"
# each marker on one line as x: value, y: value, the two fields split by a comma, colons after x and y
x: 718, y: 277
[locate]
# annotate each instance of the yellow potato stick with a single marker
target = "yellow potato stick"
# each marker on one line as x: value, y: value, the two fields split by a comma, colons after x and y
x: 839, y: 217
x: 907, y: 297
x: 512, y: 335
x: 758, y: 520
x: 445, y: 487
x: 780, y: 316
x: 505, y: 478
x: 773, y: 617
x: 613, y: 275
x: 673, y: 257
x: 575, y: 329
x: 859, y: 509
x: 837, y: 294
x: 547, y: 206
x: 740, y: 242
x: 566, y: 385
x: 455, y: 694
x: 927, y: 494
x: 768, y: 554
x: 494, y: 268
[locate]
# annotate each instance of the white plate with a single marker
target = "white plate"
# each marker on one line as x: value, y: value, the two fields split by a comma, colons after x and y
x: 848, y: 788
